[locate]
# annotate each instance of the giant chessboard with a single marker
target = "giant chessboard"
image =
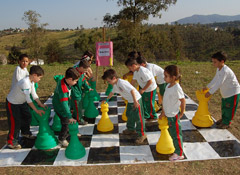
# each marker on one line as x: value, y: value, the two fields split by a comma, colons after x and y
x: 115, y: 148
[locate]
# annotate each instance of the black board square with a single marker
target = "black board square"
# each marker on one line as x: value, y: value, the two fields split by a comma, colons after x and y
x: 191, y: 107
x: 85, y: 140
x: 192, y: 136
x: 227, y: 148
x: 157, y: 156
x: 89, y: 120
x: 114, y: 131
x: 129, y: 140
x: 120, y: 119
x: 104, y: 155
x: 121, y: 103
x: 27, y: 143
x: 41, y: 157
x: 151, y: 126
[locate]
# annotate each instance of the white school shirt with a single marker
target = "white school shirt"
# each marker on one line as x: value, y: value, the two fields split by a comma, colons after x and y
x: 21, y: 92
x: 226, y: 80
x: 124, y: 88
x: 19, y: 74
x: 157, y: 71
x: 143, y: 75
x: 171, y: 102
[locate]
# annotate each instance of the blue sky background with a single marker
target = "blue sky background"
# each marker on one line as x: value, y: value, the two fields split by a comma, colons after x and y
x: 89, y: 13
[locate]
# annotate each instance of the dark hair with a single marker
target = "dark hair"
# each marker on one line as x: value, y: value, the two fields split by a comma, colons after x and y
x: 173, y: 70
x: 84, y: 63
x: 22, y: 56
x: 110, y: 73
x: 141, y: 60
x: 72, y: 73
x: 88, y: 53
x: 36, y: 70
x: 130, y: 62
x: 220, y: 56
x: 134, y: 54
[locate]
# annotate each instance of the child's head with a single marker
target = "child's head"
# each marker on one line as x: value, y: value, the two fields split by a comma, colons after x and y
x: 132, y: 64
x: 219, y: 59
x: 142, y: 61
x: 36, y: 72
x: 171, y: 73
x: 87, y: 56
x: 83, y: 66
x: 134, y: 54
x: 110, y: 76
x: 23, y: 61
x: 71, y: 76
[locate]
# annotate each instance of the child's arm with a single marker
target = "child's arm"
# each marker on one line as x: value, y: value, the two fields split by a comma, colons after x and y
x: 136, y: 104
x: 161, y: 115
x: 39, y: 112
x: 145, y: 87
x: 40, y: 104
x: 109, y: 96
x: 182, y: 106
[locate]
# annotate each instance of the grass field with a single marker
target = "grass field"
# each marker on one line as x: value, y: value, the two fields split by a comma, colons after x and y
x: 191, y: 81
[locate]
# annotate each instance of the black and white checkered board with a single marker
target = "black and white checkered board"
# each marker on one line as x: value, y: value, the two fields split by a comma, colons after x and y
x: 116, y: 148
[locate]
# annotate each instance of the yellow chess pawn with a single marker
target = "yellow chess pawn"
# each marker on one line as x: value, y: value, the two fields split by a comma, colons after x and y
x: 105, y: 124
x: 165, y: 142
x: 202, y: 117
x: 124, y: 117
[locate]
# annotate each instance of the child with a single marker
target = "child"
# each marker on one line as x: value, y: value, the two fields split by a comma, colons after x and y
x: 61, y: 102
x: 21, y: 70
x: 77, y: 92
x: 226, y: 80
x: 19, y: 117
x: 157, y: 71
x: 173, y: 98
x: 134, y: 107
x: 147, y: 85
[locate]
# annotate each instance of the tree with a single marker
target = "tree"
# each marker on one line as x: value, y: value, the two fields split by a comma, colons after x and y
x: 14, y: 55
x: 35, y: 34
x: 54, y: 52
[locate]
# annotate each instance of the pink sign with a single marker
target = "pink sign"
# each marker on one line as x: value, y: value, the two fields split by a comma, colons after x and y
x: 104, y: 53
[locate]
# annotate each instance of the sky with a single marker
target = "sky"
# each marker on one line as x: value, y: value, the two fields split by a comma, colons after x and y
x: 89, y: 13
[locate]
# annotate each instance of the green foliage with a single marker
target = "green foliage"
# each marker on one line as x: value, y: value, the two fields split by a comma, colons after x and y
x: 14, y: 55
x: 53, y: 51
x: 34, y: 36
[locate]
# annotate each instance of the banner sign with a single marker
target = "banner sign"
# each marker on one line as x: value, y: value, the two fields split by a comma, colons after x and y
x: 104, y: 53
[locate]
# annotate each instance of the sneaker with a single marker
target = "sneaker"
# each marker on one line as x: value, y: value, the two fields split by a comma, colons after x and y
x: 129, y: 132
x: 63, y: 143
x: 141, y: 139
x: 219, y: 122
x: 14, y: 146
x: 223, y: 126
x: 175, y: 157
x: 29, y: 136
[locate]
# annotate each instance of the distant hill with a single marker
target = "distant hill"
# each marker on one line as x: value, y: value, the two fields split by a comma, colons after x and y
x: 206, y: 19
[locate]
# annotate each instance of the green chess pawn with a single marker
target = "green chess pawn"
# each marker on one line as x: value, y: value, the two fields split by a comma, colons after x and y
x: 75, y: 149
x: 91, y: 110
x: 34, y: 121
x: 56, y: 126
x: 45, y: 137
x: 93, y: 86
x: 85, y: 100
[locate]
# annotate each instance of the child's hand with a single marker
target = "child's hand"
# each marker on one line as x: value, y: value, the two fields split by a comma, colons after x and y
x: 161, y: 116
x: 207, y: 95
x: 40, y: 112
x: 180, y: 116
x: 141, y: 91
x: 91, y: 89
x: 72, y: 120
x: 136, y: 105
x: 44, y: 106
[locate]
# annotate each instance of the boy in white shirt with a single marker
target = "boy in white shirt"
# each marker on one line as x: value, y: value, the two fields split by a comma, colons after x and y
x: 147, y: 85
x: 157, y: 72
x: 134, y: 108
x: 21, y: 70
x: 19, y: 117
x: 226, y: 80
